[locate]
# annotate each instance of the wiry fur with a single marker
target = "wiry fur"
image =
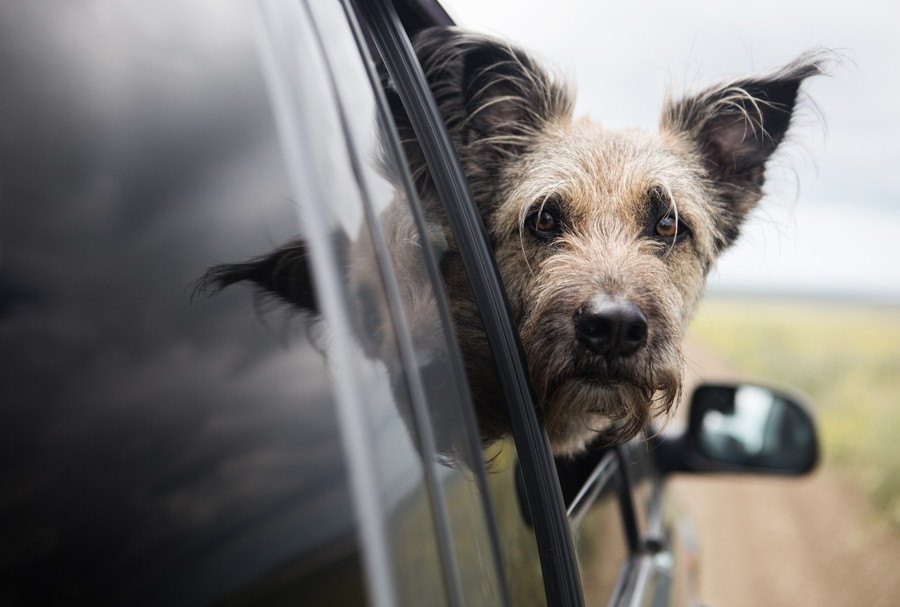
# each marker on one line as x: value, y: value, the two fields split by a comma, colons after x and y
x: 523, y: 151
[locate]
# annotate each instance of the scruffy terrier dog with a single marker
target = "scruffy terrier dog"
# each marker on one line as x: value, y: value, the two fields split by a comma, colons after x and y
x: 603, y: 238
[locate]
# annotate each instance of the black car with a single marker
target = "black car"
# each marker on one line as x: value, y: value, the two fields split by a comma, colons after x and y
x: 168, y: 443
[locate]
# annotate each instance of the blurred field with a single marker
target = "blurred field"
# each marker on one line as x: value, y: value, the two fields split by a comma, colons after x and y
x: 845, y: 356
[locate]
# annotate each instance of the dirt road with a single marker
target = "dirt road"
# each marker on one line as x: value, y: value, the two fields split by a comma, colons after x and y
x: 773, y: 542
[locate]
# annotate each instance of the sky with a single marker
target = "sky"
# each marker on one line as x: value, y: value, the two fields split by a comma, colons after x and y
x: 827, y: 225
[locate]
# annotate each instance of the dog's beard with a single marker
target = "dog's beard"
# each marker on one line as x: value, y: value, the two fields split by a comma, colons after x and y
x: 582, y: 397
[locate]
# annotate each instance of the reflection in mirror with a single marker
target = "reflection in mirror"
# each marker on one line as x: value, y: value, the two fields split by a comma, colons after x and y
x: 752, y: 426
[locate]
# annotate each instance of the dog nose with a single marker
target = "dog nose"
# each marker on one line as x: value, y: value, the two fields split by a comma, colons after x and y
x: 611, y: 328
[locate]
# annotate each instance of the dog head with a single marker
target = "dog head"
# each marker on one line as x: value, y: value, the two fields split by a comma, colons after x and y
x: 603, y: 238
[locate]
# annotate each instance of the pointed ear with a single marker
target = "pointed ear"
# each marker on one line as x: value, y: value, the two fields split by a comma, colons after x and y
x: 734, y: 128
x: 493, y: 97
x: 507, y: 97
x: 283, y: 274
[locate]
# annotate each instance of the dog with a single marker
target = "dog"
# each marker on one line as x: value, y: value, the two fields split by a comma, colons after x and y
x: 603, y: 238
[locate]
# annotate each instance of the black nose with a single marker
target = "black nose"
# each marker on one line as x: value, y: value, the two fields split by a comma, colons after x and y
x: 611, y: 328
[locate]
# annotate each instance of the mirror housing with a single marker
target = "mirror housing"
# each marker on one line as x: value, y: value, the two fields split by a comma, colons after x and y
x: 742, y: 428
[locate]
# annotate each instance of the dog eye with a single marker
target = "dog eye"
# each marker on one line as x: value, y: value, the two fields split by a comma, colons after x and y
x: 543, y: 223
x: 668, y: 228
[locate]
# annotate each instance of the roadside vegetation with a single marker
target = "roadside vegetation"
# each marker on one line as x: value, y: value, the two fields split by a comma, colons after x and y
x: 846, y: 357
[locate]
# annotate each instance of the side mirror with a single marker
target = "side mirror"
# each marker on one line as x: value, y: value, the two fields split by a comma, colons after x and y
x: 743, y: 428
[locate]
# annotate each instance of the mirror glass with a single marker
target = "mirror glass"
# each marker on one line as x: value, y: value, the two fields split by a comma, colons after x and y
x: 752, y: 426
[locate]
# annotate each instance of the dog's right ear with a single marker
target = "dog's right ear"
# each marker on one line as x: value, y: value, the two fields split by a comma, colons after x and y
x: 494, y: 98
x: 492, y: 95
x: 283, y: 274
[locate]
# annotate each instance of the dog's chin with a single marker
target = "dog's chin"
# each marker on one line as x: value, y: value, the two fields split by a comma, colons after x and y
x: 585, y: 406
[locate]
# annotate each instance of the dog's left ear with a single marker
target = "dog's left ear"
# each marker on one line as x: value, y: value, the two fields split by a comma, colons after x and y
x: 734, y: 128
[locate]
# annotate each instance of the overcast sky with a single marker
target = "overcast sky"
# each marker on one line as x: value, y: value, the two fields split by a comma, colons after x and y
x: 829, y: 222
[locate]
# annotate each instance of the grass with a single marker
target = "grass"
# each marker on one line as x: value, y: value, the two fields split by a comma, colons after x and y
x: 845, y: 356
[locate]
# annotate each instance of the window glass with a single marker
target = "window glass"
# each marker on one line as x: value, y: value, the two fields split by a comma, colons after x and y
x: 429, y: 474
x: 333, y: 162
